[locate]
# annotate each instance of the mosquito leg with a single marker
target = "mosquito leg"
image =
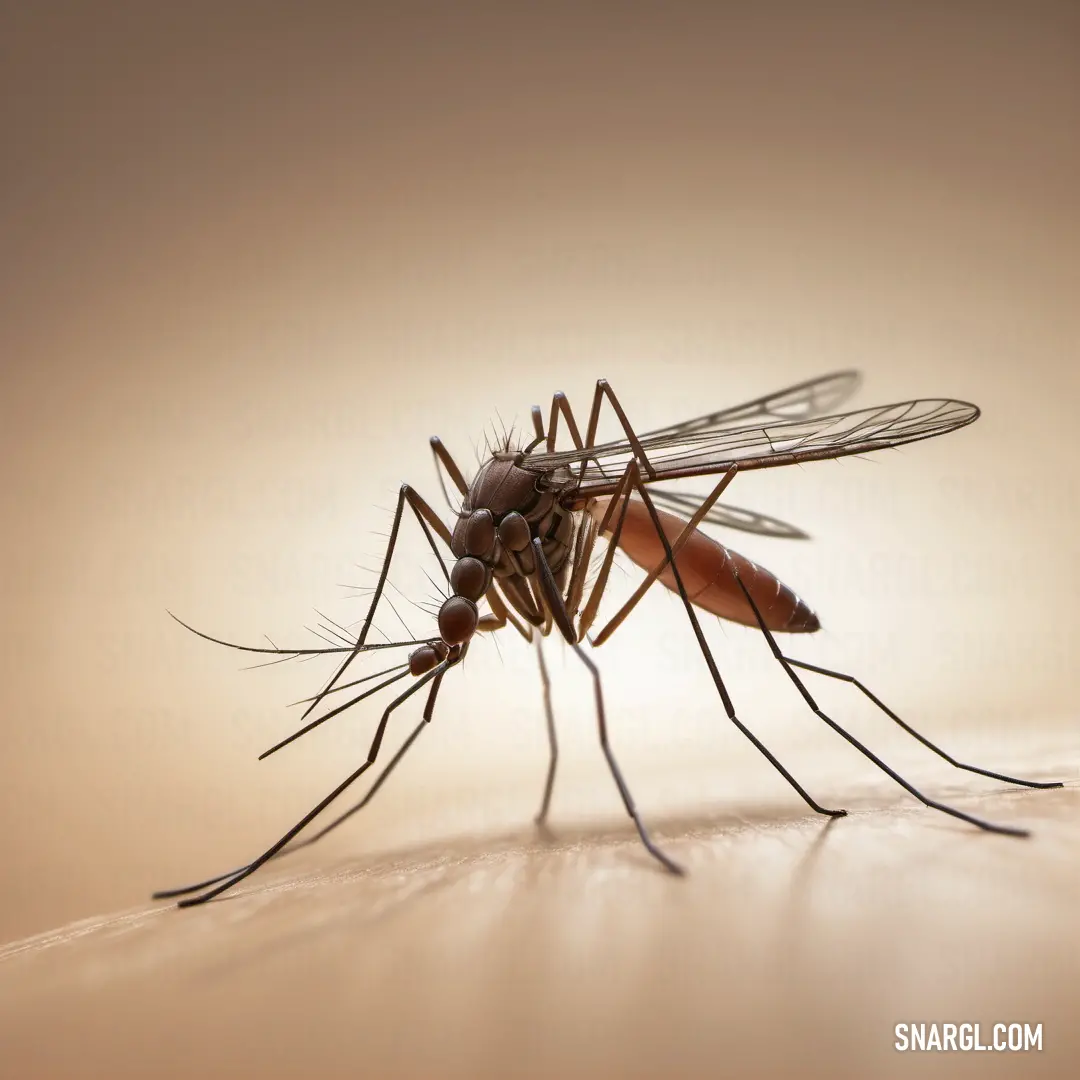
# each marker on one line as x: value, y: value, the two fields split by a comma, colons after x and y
x: 603, y: 389
x: 554, y: 600
x: 714, y: 671
x: 584, y: 542
x: 324, y: 803
x: 989, y: 826
x: 169, y: 894
x: 429, y: 710
x: 500, y: 615
x: 520, y: 598
x: 688, y: 530
x: 553, y: 741
x: 621, y: 500
x: 426, y: 517
x: 428, y: 521
x: 443, y: 458
x: 912, y: 732
x: 560, y: 404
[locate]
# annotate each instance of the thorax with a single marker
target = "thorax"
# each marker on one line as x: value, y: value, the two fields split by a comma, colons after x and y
x: 505, y: 509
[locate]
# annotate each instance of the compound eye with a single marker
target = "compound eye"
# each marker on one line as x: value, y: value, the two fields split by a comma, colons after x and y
x: 470, y: 578
x: 480, y: 533
x: 457, y: 620
x: 514, y: 532
x: 422, y: 660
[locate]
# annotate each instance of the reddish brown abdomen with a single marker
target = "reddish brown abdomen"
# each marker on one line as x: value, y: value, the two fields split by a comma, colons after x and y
x: 707, y: 569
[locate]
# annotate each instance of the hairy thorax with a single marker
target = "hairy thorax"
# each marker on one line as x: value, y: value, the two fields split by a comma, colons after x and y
x: 504, y: 511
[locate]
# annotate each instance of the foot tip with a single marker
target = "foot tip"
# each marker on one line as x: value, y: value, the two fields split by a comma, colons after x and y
x: 1007, y: 830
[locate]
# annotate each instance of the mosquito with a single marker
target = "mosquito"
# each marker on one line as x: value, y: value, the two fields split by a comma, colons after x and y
x: 523, y: 542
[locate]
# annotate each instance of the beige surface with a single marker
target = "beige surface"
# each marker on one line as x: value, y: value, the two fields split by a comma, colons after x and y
x: 793, y: 948
x: 254, y: 256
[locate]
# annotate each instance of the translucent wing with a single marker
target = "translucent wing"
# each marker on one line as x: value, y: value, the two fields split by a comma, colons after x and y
x: 713, y: 448
x: 799, y: 402
x: 730, y: 517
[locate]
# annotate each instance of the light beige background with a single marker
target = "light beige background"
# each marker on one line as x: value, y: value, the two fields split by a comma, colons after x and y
x: 252, y: 259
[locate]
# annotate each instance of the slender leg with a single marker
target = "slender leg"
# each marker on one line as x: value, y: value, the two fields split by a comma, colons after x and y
x: 786, y: 665
x: 500, y: 616
x: 168, y: 894
x: 688, y: 531
x: 560, y: 404
x: 553, y: 742
x: 603, y: 389
x: 426, y: 517
x: 554, y: 600
x: 584, y: 544
x: 319, y: 720
x: 729, y: 707
x: 443, y: 458
x: 324, y: 803
x: 620, y: 499
x: 583, y: 551
x: 521, y: 600
x: 911, y: 731
x: 630, y: 480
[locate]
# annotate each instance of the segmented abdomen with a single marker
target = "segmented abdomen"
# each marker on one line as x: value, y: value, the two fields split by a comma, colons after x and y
x: 707, y: 569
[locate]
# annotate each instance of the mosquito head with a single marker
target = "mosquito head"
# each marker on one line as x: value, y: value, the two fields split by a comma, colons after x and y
x: 422, y: 660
